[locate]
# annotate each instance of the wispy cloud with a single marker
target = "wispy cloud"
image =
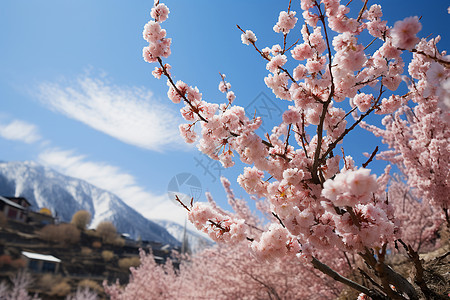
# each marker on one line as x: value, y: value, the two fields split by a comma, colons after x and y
x: 18, y: 130
x: 130, y: 114
x: 115, y: 180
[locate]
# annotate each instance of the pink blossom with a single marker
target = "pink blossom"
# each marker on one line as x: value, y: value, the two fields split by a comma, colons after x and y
x: 374, y: 12
x: 302, y: 52
x: 317, y: 41
x: 173, y: 94
x: 248, y: 37
x: 313, y: 115
x: 276, y: 62
x: 377, y: 28
x: 360, y: 182
x: 251, y: 181
x: 226, y: 159
x: 389, y: 51
x: 331, y: 6
x: 160, y: 12
x: 291, y: 117
x: 193, y: 94
x: 307, y: 4
x: 266, y: 51
x: 315, y: 66
x: 350, y: 54
x: 148, y: 56
x: 443, y: 93
x: 276, y: 242
x: 187, y: 133
x: 350, y: 187
x: 157, y: 72
x: 286, y: 21
x: 293, y: 176
x: 279, y: 84
x: 437, y: 73
x: 392, y: 82
x: 276, y: 49
x: 332, y: 166
x: 224, y: 87
x: 344, y: 41
x: 158, y: 44
x: 310, y: 18
x: 340, y: 22
x: 231, y: 96
x: 221, y: 228
x: 363, y: 101
x: 300, y: 72
x: 153, y: 32
x: 404, y: 33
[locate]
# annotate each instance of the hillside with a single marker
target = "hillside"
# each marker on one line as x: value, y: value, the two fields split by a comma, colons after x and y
x: 64, y: 195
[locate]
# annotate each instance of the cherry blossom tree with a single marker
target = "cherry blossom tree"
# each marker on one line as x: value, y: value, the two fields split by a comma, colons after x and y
x: 419, y: 227
x: 321, y: 201
x: 19, y: 288
x: 225, y: 272
x: 231, y: 272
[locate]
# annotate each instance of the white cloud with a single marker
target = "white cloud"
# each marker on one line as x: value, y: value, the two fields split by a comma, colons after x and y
x: 129, y: 114
x: 112, y: 179
x: 20, y: 131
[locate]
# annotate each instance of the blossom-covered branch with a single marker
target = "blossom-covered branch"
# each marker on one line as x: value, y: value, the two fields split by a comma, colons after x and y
x: 320, y: 200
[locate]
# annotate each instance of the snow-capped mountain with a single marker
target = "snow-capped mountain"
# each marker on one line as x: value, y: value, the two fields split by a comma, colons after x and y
x: 196, y: 241
x: 64, y: 195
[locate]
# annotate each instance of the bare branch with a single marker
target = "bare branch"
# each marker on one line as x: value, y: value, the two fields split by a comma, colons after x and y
x: 364, y: 165
x: 362, y: 10
x: 338, y: 277
x: 278, y: 218
x: 182, y: 204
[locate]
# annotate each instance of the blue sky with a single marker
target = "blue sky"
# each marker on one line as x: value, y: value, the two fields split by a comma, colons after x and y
x: 77, y: 96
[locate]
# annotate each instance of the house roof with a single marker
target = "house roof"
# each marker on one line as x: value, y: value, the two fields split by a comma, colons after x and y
x: 39, y: 256
x: 19, y: 198
x: 11, y: 203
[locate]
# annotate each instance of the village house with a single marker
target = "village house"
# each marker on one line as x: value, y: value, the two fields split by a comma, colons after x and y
x: 41, y: 263
x: 15, y: 208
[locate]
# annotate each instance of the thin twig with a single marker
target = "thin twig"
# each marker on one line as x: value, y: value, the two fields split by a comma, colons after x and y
x: 364, y: 165
x: 362, y: 10
x: 370, y: 279
x: 338, y: 277
x: 287, y: 139
x: 278, y: 218
x: 182, y: 204
x: 374, y: 39
x: 219, y: 226
x: 319, y: 131
x: 166, y: 73
x: 346, y: 131
x: 441, y: 61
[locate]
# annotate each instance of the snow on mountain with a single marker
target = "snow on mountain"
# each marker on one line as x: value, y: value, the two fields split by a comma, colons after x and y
x: 64, y: 195
x: 196, y: 241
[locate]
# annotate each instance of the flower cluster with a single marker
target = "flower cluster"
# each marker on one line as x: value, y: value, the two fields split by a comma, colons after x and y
x: 220, y: 227
x: 275, y: 242
x: 404, y: 33
x: 350, y: 187
x: 248, y: 37
x: 286, y: 22
x: 159, y: 45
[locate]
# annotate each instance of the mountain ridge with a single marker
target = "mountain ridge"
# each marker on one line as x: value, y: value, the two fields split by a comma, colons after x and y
x: 64, y: 195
